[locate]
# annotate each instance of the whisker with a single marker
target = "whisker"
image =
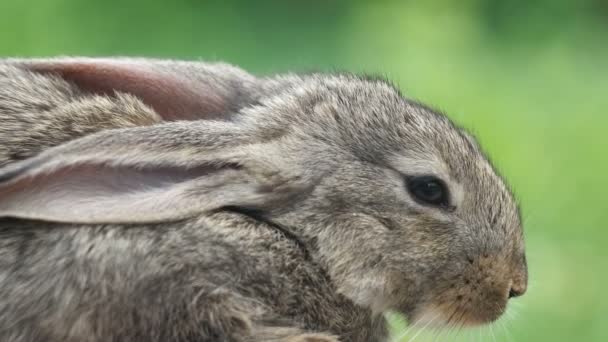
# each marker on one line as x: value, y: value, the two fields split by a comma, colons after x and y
x: 437, y: 334
x: 471, y: 334
x: 450, y: 321
x: 492, y: 332
x: 510, y: 314
x: 405, y: 332
x: 512, y: 328
x: 461, y: 321
x: 415, y: 326
x: 513, y: 311
x: 425, y: 326
x: 506, y: 329
x: 401, y: 335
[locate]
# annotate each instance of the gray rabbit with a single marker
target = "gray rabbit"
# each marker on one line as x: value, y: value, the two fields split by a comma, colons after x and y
x: 146, y: 200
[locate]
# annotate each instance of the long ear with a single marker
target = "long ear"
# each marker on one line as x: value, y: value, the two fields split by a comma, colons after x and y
x: 148, y: 174
x: 175, y: 90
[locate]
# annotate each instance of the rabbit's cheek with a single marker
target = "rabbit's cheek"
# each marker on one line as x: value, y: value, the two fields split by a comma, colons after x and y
x: 368, y: 290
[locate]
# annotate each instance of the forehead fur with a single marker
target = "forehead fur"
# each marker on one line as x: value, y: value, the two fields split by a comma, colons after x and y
x: 371, y: 119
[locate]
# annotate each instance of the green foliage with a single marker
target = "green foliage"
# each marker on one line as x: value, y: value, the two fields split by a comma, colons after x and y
x: 529, y: 77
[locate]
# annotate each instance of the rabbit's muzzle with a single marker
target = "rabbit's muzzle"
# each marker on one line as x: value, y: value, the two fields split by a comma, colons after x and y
x: 479, y: 293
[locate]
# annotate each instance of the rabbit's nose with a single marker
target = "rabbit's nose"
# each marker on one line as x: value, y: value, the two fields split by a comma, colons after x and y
x: 519, y: 278
x: 519, y: 285
x: 517, y: 291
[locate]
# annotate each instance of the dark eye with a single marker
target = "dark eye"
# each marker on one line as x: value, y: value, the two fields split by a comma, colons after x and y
x: 428, y: 190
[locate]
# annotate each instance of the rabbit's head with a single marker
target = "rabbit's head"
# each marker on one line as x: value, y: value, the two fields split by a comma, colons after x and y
x: 399, y: 205
x: 407, y: 212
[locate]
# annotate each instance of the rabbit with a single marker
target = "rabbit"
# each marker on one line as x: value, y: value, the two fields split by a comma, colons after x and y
x: 188, y: 201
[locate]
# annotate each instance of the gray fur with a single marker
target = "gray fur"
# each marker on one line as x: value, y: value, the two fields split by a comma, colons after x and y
x: 291, y: 220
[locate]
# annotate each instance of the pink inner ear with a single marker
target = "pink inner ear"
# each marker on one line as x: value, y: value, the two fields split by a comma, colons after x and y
x: 173, y: 97
x: 92, y: 193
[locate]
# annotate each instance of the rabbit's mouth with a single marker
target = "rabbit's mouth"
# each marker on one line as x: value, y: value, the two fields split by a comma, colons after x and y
x: 473, y: 298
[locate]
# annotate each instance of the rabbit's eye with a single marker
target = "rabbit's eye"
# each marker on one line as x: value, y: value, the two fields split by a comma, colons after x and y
x: 428, y: 190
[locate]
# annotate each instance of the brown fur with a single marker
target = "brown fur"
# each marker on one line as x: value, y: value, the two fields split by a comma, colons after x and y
x: 282, y: 217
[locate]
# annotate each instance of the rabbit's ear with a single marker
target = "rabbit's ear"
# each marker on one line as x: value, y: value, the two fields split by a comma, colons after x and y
x: 149, y: 174
x: 175, y: 90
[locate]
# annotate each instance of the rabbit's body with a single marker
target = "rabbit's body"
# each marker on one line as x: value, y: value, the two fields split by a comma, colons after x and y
x: 38, y: 112
x: 149, y: 200
x: 243, y: 280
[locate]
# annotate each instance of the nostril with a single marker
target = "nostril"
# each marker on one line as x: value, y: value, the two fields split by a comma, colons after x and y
x: 516, y: 292
x: 518, y: 286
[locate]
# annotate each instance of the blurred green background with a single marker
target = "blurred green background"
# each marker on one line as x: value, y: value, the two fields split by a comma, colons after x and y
x: 530, y: 78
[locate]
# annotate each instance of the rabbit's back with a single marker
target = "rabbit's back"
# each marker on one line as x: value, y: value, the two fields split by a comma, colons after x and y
x: 39, y: 111
x: 212, y: 278
x: 107, y: 283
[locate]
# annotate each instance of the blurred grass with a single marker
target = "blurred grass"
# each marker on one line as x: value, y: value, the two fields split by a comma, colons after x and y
x: 530, y: 78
